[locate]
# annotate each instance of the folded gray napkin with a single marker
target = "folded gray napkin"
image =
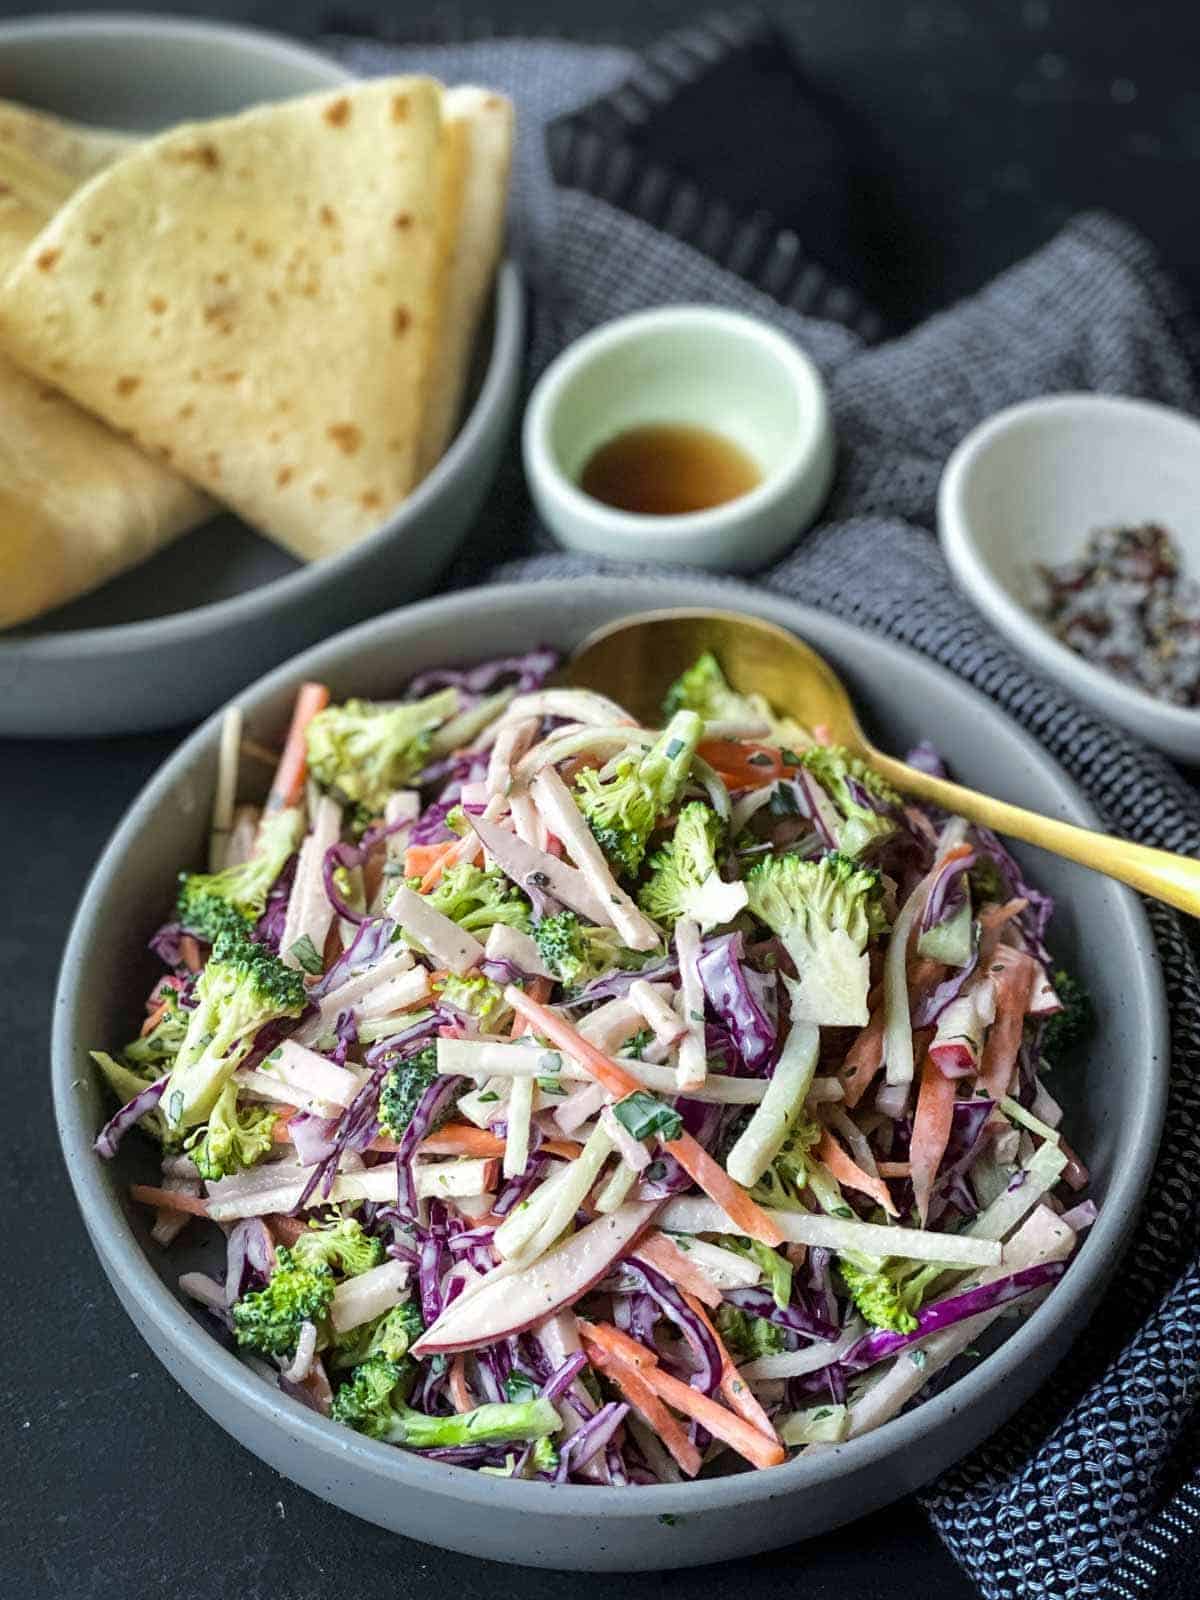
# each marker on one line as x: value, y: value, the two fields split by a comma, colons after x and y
x: 1092, y: 1486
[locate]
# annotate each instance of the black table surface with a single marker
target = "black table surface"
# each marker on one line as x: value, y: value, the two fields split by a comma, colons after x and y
x: 991, y: 123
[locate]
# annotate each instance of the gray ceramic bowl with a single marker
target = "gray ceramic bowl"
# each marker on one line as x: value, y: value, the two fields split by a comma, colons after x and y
x: 1114, y: 1108
x: 164, y: 643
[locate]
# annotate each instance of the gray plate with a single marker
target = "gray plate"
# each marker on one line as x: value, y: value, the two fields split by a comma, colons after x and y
x: 1114, y: 1106
x: 165, y: 642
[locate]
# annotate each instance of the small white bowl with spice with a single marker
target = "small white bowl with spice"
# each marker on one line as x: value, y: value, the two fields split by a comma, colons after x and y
x: 680, y: 434
x: 1073, y: 523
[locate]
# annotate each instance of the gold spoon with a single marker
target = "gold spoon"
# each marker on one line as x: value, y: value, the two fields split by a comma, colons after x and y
x: 635, y: 660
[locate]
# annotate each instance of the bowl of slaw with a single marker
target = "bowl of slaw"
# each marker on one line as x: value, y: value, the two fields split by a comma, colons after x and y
x: 1113, y: 1114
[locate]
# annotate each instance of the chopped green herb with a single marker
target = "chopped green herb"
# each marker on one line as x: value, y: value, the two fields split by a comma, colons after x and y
x: 643, y: 1114
x: 304, y: 952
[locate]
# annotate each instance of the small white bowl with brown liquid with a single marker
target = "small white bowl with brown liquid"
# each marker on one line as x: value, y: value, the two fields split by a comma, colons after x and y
x: 681, y: 434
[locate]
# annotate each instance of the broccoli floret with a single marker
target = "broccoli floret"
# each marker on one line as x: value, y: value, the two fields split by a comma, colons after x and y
x: 703, y: 688
x: 793, y: 1177
x: 363, y: 1402
x: 576, y: 952
x: 824, y: 912
x: 852, y: 786
x: 475, y: 994
x: 747, y: 1337
x: 362, y: 752
x: 402, y: 1088
x: 686, y: 881
x: 875, y: 1288
x: 234, y: 1138
x: 369, y: 1402
x: 478, y: 900
x: 777, y: 1269
x: 389, y: 1336
x: 153, y: 1051
x: 986, y: 882
x: 340, y: 1244
x: 269, y: 1319
x: 623, y: 809
x: 1066, y: 1028
x: 242, y: 988
x: 636, y: 1046
x: 211, y: 903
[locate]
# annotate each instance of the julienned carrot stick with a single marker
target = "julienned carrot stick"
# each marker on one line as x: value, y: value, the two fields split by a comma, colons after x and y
x: 665, y: 1254
x: 418, y: 858
x: 632, y: 1384
x: 735, y: 1431
x: 719, y: 1186
x: 738, y: 1393
x: 433, y: 874
x: 932, y: 1121
x: 284, y: 1229
x: 560, y: 1032
x: 189, y: 950
x: 722, y: 1423
x: 539, y: 990
x: 461, y: 1139
x: 846, y: 1170
x: 168, y: 1200
x: 696, y: 1162
x: 1013, y: 974
x: 288, y: 783
x: 459, y: 1393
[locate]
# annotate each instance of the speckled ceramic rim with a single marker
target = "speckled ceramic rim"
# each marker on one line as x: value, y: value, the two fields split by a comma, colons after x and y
x: 185, y: 627
x: 1155, y: 720
x: 1128, y: 933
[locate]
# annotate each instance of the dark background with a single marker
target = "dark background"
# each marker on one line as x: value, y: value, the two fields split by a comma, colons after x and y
x: 974, y: 130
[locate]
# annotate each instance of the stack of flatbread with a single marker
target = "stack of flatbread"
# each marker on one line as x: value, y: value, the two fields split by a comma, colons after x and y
x: 276, y: 311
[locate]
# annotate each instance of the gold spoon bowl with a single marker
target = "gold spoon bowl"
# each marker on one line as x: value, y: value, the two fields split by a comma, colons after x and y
x: 635, y: 660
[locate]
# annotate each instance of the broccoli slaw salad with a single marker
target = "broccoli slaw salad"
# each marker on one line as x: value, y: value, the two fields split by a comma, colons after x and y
x: 600, y: 1104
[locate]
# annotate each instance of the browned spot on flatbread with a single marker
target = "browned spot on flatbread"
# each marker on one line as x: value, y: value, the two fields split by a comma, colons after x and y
x: 98, y: 297
x: 165, y: 451
x: 186, y: 411
x: 493, y: 102
x: 221, y: 278
x: 283, y: 405
x: 232, y: 376
x: 274, y: 436
x: 402, y: 220
x: 260, y: 249
x: 370, y: 500
x: 337, y: 115
x: 203, y: 154
x: 213, y: 462
x: 395, y: 446
x: 47, y: 260
x: 158, y: 305
x: 327, y: 216
x: 399, y: 108
x: 401, y: 318
x: 283, y: 477
x: 346, y: 436
x: 320, y: 491
x: 95, y: 237
x: 127, y: 385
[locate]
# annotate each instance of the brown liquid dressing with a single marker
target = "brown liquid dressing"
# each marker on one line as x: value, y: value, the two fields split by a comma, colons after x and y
x: 665, y: 469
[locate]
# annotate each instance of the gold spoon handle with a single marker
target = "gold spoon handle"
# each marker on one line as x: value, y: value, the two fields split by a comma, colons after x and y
x: 1170, y: 878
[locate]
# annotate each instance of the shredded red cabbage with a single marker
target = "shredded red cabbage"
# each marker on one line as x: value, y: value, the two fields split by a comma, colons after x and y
x: 115, y: 1129
x: 741, y: 999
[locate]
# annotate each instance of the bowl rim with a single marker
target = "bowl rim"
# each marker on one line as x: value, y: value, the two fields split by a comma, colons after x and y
x: 195, y: 625
x: 805, y: 458
x: 974, y: 574
x: 123, y: 1257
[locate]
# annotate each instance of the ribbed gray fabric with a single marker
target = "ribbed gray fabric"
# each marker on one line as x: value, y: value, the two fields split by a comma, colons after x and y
x: 1067, y: 1501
